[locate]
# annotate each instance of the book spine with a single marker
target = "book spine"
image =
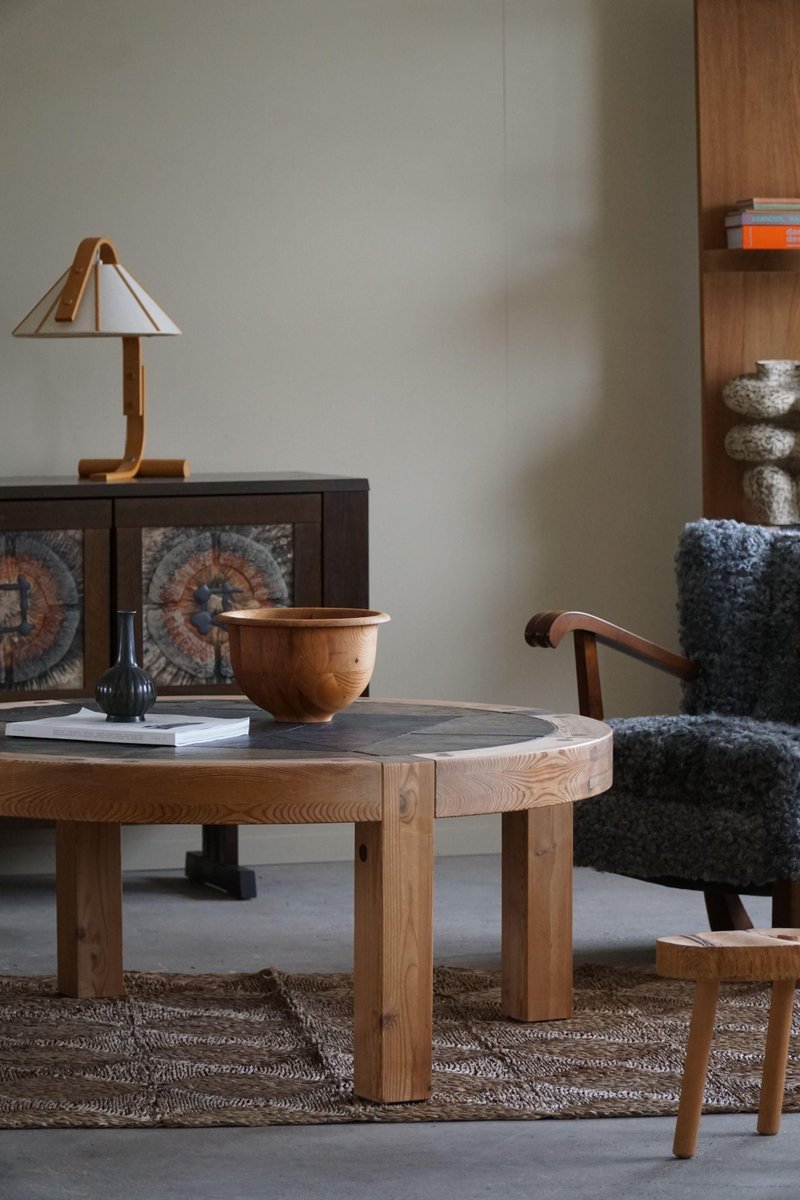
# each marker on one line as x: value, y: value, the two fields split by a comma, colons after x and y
x: 769, y: 202
x: 787, y: 217
x: 764, y: 237
x: 64, y: 733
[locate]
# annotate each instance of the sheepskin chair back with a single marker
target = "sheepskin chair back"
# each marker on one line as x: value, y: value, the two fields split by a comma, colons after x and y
x: 739, y: 611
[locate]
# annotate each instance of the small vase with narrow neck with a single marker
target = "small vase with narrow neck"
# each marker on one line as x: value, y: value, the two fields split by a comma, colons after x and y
x: 125, y: 692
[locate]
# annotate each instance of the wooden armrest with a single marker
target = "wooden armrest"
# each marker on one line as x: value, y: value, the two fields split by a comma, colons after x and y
x: 548, y: 628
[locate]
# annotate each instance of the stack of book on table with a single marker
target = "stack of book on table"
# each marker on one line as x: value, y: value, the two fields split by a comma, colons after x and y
x: 764, y: 223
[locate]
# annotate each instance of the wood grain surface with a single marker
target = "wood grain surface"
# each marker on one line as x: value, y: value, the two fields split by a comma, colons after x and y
x: 487, y: 759
x: 393, y: 969
x: 303, y: 664
x: 748, y: 113
x: 89, y: 909
x: 537, y: 914
x: 736, y: 954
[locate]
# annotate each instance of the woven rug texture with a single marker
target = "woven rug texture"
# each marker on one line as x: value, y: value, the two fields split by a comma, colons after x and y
x: 275, y: 1049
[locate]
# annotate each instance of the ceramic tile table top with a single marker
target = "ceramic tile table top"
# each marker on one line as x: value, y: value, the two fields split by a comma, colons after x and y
x: 390, y: 767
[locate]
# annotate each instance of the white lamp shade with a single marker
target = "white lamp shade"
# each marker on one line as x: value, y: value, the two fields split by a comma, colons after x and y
x: 113, y: 305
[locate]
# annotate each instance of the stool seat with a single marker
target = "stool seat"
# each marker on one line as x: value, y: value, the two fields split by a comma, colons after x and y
x: 741, y: 955
x: 737, y: 954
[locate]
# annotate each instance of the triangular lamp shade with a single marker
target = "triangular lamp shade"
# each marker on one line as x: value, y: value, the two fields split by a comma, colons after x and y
x: 113, y: 305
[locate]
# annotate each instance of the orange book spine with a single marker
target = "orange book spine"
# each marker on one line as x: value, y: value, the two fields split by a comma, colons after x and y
x: 765, y: 237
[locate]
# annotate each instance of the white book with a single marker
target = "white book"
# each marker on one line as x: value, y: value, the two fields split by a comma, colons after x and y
x: 165, y: 730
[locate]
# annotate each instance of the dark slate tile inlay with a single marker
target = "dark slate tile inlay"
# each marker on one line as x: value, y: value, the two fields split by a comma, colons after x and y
x: 377, y: 729
x: 349, y: 731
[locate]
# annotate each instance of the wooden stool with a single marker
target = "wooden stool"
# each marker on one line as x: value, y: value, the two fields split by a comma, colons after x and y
x: 766, y: 955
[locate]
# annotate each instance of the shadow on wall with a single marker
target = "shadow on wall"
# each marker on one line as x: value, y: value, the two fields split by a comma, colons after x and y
x: 602, y: 503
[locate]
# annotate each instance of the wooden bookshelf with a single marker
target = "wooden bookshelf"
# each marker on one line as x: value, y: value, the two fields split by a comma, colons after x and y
x: 748, y: 118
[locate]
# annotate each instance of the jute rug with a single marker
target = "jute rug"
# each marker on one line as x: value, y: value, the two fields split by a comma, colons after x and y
x: 276, y: 1049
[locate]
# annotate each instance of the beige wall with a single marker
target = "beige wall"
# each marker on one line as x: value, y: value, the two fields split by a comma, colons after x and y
x: 445, y: 244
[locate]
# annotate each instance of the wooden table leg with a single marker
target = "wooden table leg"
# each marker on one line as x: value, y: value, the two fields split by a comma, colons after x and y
x: 393, y: 978
x: 89, y: 908
x: 537, y: 913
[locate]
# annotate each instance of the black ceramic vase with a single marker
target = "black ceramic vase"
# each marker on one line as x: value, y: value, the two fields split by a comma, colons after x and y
x: 125, y: 692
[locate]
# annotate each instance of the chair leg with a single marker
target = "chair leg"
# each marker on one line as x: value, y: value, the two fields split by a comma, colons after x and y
x: 775, y: 1056
x: 695, y: 1068
x: 726, y: 911
x: 786, y: 904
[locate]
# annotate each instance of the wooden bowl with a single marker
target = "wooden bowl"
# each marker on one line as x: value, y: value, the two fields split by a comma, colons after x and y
x: 302, y: 665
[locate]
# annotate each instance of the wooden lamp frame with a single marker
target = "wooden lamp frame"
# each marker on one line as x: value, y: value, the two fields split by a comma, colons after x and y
x: 133, y: 462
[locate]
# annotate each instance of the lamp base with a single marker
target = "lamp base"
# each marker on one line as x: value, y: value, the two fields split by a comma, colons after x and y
x: 114, y: 470
x: 133, y: 462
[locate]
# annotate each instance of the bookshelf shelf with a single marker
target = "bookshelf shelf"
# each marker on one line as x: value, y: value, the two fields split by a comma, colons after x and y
x: 765, y: 261
x: 748, y: 114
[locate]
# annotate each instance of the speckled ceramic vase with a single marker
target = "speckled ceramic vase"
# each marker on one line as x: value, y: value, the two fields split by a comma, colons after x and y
x: 769, y: 441
x: 125, y: 692
x: 772, y: 391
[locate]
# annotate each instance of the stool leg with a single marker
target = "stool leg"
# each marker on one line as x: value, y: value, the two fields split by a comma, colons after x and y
x: 695, y: 1068
x: 775, y: 1056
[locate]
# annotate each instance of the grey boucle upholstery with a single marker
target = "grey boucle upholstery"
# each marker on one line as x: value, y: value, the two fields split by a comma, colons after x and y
x: 713, y: 795
x: 739, y: 612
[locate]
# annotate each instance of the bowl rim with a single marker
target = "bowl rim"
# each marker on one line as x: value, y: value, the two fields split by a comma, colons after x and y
x: 305, y: 617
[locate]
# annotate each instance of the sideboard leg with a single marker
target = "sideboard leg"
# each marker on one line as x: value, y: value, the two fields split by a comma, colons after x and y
x: 217, y: 864
x: 393, y: 977
x: 89, y: 908
x: 537, y: 913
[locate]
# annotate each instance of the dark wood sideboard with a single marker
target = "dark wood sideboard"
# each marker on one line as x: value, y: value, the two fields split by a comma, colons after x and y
x: 177, y: 551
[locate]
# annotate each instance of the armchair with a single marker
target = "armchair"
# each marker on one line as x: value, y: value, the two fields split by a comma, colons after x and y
x: 709, y: 798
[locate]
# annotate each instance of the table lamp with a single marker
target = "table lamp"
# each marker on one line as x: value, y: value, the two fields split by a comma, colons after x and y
x: 97, y: 297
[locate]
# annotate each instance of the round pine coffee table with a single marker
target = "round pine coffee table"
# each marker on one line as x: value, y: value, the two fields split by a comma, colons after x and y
x: 390, y: 767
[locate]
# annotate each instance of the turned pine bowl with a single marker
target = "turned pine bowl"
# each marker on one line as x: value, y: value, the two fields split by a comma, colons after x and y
x: 302, y: 665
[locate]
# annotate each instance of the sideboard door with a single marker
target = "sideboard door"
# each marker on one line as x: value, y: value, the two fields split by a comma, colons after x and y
x: 54, y: 587
x: 182, y: 561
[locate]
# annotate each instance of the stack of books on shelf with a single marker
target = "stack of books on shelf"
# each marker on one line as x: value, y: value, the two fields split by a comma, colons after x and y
x: 764, y: 223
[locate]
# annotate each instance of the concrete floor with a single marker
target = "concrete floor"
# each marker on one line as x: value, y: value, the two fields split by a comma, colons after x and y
x: 302, y: 920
